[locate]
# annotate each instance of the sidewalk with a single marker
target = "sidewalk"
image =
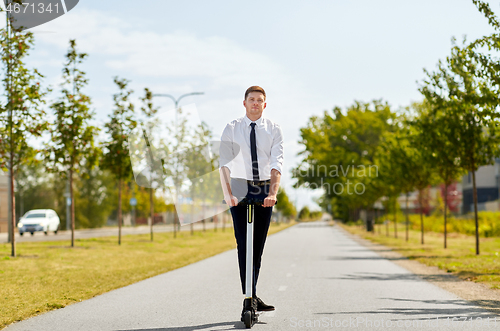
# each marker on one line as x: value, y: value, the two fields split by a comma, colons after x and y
x: 316, y: 275
x: 108, y: 231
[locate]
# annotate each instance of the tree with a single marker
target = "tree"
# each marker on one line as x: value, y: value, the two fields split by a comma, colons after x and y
x: 452, y: 197
x: 488, y: 70
x: 435, y: 135
x: 304, y: 213
x: 149, y: 111
x: 199, y: 168
x: 395, y: 171
x: 95, y: 196
x: 143, y: 207
x: 21, y: 114
x: 71, y: 145
x: 34, y: 188
x: 116, y: 156
x: 187, y: 158
x: 462, y: 91
x: 339, y: 154
x: 284, y: 206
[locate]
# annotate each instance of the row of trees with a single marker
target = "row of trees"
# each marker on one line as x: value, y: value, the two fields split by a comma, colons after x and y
x: 386, y: 153
x: 98, y: 173
x: 71, y: 151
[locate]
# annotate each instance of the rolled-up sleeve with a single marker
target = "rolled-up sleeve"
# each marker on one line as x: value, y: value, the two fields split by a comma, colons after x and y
x: 226, y: 150
x: 277, y: 150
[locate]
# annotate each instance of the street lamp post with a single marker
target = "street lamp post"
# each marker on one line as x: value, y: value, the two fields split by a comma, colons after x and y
x: 176, y: 102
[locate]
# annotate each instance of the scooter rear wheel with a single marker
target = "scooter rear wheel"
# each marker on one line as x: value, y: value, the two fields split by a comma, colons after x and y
x: 248, y: 319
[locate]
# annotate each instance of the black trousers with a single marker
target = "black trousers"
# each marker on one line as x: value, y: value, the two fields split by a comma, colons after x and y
x: 262, y: 219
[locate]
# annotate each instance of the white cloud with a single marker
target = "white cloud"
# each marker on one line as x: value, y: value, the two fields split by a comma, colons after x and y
x: 180, y: 62
x: 160, y: 54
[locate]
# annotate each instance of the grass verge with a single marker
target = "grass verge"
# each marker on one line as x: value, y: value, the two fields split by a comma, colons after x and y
x: 459, y: 258
x: 48, y: 275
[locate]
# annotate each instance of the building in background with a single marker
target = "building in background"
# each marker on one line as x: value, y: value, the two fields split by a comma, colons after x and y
x: 429, y: 199
x: 432, y: 198
x: 487, y: 184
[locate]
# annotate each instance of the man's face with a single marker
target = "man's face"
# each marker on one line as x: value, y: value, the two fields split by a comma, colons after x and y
x: 254, y: 104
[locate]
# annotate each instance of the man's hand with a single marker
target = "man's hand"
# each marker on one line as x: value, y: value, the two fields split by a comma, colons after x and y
x: 270, y: 201
x: 231, y: 200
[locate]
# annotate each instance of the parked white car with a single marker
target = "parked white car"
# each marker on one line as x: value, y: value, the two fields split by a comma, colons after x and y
x: 39, y: 220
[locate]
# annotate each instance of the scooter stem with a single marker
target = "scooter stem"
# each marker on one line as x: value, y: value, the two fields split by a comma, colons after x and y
x: 249, y: 251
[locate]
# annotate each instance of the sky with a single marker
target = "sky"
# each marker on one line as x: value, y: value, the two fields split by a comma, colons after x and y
x: 309, y: 56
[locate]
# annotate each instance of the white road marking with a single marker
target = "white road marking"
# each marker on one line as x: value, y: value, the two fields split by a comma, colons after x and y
x: 282, y: 288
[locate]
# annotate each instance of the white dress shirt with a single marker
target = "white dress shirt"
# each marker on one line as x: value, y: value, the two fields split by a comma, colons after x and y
x: 236, y: 142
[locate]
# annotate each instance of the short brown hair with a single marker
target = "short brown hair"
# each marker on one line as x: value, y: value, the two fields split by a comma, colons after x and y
x: 255, y: 89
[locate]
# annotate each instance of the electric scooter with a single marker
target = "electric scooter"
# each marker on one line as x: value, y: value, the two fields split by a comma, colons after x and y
x: 250, y: 316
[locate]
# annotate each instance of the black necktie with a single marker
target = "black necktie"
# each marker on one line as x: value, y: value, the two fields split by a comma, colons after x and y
x: 253, y: 149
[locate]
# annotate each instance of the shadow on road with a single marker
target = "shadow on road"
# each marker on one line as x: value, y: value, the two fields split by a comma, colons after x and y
x: 391, y: 277
x: 314, y: 225
x: 236, y: 326
x: 412, y: 277
x: 467, y: 309
x: 357, y: 258
x: 410, y: 257
x: 377, y: 250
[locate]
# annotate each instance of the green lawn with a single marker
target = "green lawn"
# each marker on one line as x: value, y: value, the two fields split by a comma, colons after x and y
x: 51, y: 275
x: 459, y: 258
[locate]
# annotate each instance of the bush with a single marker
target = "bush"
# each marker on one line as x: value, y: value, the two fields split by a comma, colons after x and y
x: 304, y: 213
x: 489, y: 223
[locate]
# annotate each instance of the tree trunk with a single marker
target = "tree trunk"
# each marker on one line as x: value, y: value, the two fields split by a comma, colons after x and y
x: 12, y: 201
x: 421, y: 217
x: 474, y: 194
x: 407, y: 218
x: 151, y: 210
x: 445, y: 210
x: 192, y: 219
x: 395, y: 219
x: 367, y: 222
x: 120, y: 211
x: 214, y: 219
x: 72, y: 208
x: 175, y: 222
x: 223, y: 216
x: 386, y: 227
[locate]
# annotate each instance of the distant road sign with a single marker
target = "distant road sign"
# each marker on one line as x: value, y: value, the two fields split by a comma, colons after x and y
x: 133, y: 201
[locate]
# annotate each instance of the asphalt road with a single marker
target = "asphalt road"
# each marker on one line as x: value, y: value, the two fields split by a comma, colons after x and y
x: 104, y: 232
x: 316, y: 276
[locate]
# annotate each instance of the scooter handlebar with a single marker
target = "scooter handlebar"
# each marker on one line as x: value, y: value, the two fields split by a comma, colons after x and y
x: 252, y: 201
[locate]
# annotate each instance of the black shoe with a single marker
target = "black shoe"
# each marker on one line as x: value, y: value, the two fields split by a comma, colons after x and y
x: 261, y: 306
